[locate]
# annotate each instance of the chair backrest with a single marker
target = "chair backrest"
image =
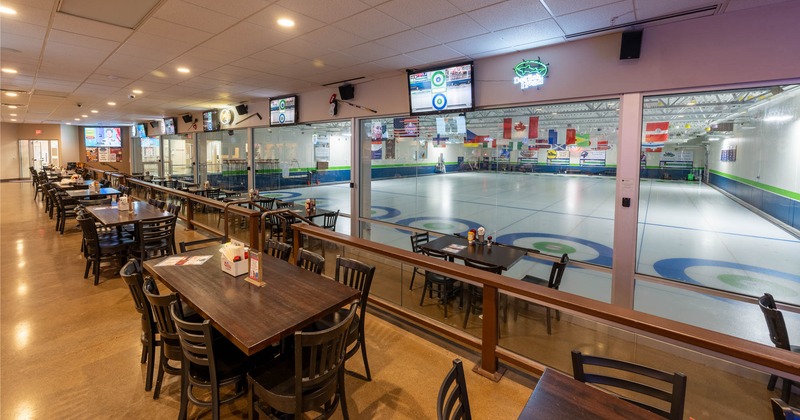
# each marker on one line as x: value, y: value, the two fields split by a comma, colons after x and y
x: 483, y: 266
x: 775, y: 322
x: 673, y: 389
x: 283, y: 204
x: 196, y: 339
x: 161, y: 309
x: 783, y: 411
x: 329, y: 220
x: 214, y: 193
x: 453, y: 401
x: 278, y: 249
x: 189, y: 245
x: 310, y: 261
x: 174, y: 208
x: 159, y: 231
x: 90, y: 238
x: 417, y: 239
x: 557, y: 272
x: 319, y: 357
x: 132, y: 275
x: 357, y: 275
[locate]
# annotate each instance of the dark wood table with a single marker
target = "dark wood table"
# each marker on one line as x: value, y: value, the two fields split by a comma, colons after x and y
x: 80, y: 185
x: 253, y: 317
x: 112, y: 216
x: 498, y: 255
x: 85, y: 193
x: 558, y: 396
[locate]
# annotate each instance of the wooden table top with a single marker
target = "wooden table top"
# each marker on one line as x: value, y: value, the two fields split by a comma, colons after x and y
x: 80, y: 185
x: 112, y: 216
x: 253, y: 317
x: 558, y: 396
x: 85, y: 193
x: 502, y: 256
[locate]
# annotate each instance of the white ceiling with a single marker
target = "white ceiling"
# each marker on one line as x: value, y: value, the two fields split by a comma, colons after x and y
x: 236, y: 51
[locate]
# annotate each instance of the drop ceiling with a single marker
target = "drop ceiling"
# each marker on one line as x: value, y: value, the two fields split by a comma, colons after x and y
x: 93, y: 52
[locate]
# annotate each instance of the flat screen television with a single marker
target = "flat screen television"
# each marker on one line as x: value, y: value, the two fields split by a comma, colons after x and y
x: 210, y: 120
x: 102, y: 137
x: 441, y: 89
x: 169, y: 125
x: 141, y: 130
x: 283, y: 110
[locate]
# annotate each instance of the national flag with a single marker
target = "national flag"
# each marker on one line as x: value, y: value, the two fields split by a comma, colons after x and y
x: 656, y: 133
x: 533, y: 127
x: 570, y: 136
x: 582, y: 139
x: 406, y: 127
x: 552, y: 136
x: 507, y: 123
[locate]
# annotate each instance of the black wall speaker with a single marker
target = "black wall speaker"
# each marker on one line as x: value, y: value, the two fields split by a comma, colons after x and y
x: 241, y: 109
x: 347, y: 92
x: 187, y: 118
x: 631, y: 45
x: 154, y: 124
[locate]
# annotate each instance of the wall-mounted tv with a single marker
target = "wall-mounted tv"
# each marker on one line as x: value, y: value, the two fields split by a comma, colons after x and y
x: 141, y: 130
x: 210, y: 120
x: 102, y: 137
x: 169, y: 125
x: 283, y: 111
x: 441, y: 89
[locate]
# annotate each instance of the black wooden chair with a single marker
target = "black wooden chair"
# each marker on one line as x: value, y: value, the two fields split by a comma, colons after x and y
x: 780, y: 338
x: 190, y: 245
x: 132, y: 275
x: 310, y: 261
x: 475, y: 293
x: 672, y: 389
x: 65, y: 209
x: 417, y: 240
x: 552, y: 282
x: 453, y: 400
x: 446, y: 288
x: 283, y: 204
x: 101, y: 248
x: 329, y: 220
x: 170, y: 344
x: 783, y: 411
x: 313, y: 380
x: 208, y: 363
x: 277, y: 249
x: 154, y: 237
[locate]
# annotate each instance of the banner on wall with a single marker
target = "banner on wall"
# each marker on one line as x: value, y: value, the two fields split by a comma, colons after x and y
x: 518, y: 130
x: 440, y: 141
x: 570, y: 136
x: 678, y: 156
x: 91, y: 154
x: 474, y: 140
x: 406, y: 127
x: 390, y: 148
x: 377, y: 149
x: 655, y: 135
x: 602, y: 145
x: 322, y: 147
x: 552, y: 136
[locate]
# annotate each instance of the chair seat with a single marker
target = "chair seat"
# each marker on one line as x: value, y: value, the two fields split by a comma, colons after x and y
x: 230, y: 361
x: 276, y: 384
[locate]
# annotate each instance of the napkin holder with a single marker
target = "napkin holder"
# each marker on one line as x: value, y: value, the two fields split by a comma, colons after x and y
x: 123, y: 203
x: 229, y: 253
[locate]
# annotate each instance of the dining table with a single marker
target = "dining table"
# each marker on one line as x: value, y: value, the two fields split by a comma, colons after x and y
x: 459, y: 247
x: 111, y: 215
x: 90, y: 194
x: 251, y: 316
x: 67, y: 186
x: 558, y: 396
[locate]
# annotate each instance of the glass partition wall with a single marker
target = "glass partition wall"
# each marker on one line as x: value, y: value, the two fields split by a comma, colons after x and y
x: 179, y: 156
x: 223, y: 157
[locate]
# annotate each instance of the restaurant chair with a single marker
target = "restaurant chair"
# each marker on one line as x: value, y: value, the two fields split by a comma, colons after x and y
x: 329, y: 220
x: 783, y: 411
x: 154, y: 237
x: 174, y: 209
x: 132, y: 275
x: 446, y: 288
x: 475, y: 293
x: 453, y: 399
x: 277, y: 249
x: 170, y: 344
x: 780, y: 338
x: 672, y: 387
x: 310, y: 261
x: 190, y: 245
x: 552, y: 282
x: 208, y: 363
x: 356, y: 275
x: 100, y: 248
x: 65, y: 208
x: 417, y: 240
x: 312, y: 380
x: 283, y: 204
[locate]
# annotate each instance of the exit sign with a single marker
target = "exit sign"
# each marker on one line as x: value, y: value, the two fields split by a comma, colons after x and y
x: 38, y: 132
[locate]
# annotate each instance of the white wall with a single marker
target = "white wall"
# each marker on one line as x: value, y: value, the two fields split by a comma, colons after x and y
x: 9, y: 153
x: 70, y: 144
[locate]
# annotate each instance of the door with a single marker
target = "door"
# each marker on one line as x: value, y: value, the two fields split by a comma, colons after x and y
x: 37, y: 153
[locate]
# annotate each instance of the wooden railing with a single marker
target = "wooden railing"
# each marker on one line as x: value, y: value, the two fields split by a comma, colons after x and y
x: 758, y: 356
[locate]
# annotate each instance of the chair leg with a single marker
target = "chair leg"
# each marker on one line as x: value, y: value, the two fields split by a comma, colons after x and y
x: 424, y: 288
x: 215, y: 401
x: 252, y: 414
x: 151, y: 356
x: 413, y: 274
x: 160, y: 377
x: 548, y: 321
x: 787, y: 390
x: 772, y: 381
x: 184, y: 392
x: 88, y: 265
x: 364, y: 353
x: 342, y: 395
x: 468, y: 310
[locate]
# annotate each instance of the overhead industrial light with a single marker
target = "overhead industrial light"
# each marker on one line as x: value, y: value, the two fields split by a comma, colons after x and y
x: 777, y: 118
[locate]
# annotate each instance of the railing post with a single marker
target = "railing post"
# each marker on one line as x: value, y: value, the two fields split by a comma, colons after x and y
x: 254, y: 221
x: 488, y: 366
x: 189, y: 214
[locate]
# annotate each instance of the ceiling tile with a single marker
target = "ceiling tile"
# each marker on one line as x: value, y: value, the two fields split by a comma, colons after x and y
x: 339, y: 60
x: 646, y: 9
x: 164, y: 29
x: 539, y: 44
x: 435, y: 54
x: 108, y: 80
x: 478, y: 44
x: 146, y: 52
x: 454, y: 28
x: 26, y: 14
x: 414, y: 13
x: 230, y: 73
x: 563, y: 7
x: 749, y: 4
x: 398, y: 62
x: 162, y: 45
x: 407, y: 41
x: 239, y: 9
x: 333, y: 38
x: 370, y: 51
x: 372, y: 24
x: 191, y: 15
x: 128, y: 66
x: 599, y: 17
x: 268, y: 18
x: 274, y: 56
x: 71, y: 57
x: 469, y: 5
x: 254, y: 64
x: 327, y: 11
x: 101, y: 46
x: 302, y: 48
x: 27, y: 46
x: 16, y: 27
x: 69, y: 23
x: 509, y: 14
x: 533, y: 32
x: 245, y: 39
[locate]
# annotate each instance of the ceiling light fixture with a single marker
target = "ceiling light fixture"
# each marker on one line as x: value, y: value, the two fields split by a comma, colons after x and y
x: 777, y: 118
x: 692, y: 102
x: 12, y: 106
x: 11, y: 93
x: 8, y: 70
x: 85, y: 116
x: 13, y: 119
x: 183, y: 70
x: 94, y: 111
x: 13, y: 115
x: 77, y: 119
x: 136, y: 91
x: 286, y: 23
x: 7, y: 10
x: 112, y: 103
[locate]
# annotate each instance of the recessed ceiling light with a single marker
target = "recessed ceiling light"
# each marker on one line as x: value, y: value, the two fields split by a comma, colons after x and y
x: 11, y: 93
x: 112, y: 103
x: 69, y: 123
x: 137, y: 91
x: 12, y: 106
x: 13, y: 119
x: 77, y: 119
x: 183, y: 70
x: 85, y: 116
x: 94, y: 111
x: 7, y: 10
x: 8, y: 70
x: 13, y: 115
x: 285, y: 22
